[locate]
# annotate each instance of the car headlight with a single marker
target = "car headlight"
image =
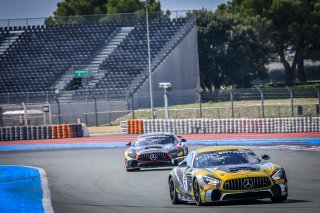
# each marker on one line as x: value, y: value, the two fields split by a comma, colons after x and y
x: 279, y: 174
x: 131, y: 154
x: 210, y: 180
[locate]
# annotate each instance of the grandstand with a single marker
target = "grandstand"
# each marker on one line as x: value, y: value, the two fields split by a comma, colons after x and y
x: 36, y: 60
x: 40, y: 55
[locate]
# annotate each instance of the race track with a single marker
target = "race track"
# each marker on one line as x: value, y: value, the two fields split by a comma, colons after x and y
x: 94, y: 180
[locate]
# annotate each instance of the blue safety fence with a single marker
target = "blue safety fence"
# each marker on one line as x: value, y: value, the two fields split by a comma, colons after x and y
x: 253, y: 142
x: 212, y: 142
x: 20, y: 189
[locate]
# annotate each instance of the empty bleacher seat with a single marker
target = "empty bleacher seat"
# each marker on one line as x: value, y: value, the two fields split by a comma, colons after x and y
x: 47, y: 52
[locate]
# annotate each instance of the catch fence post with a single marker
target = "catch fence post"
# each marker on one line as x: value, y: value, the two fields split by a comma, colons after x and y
x: 262, y: 101
x: 59, y: 113
x: 200, y: 104
x: 291, y: 99
x: 231, y: 99
x: 318, y: 92
x: 132, y: 105
x: 95, y: 109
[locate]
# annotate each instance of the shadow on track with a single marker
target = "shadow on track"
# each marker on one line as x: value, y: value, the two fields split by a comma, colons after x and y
x: 228, y: 204
x: 255, y: 202
x: 126, y: 206
x: 152, y: 169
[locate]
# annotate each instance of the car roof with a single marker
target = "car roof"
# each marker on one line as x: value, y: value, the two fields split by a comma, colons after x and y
x: 156, y: 134
x: 220, y: 148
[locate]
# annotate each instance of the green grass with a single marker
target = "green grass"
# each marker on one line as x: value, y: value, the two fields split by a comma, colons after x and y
x: 242, y: 109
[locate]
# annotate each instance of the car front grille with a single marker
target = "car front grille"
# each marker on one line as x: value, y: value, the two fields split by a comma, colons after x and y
x: 247, y: 183
x: 248, y: 195
x: 156, y: 156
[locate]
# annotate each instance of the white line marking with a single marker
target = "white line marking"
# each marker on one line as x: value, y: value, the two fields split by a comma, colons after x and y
x: 46, y: 194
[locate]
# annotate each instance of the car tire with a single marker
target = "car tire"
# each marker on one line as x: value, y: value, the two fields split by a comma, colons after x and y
x: 132, y: 169
x: 196, y: 192
x: 279, y: 199
x: 172, y: 190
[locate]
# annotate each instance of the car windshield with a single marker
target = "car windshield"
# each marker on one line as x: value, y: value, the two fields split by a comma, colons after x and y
x: 154, y: 140
x: 226, y: 157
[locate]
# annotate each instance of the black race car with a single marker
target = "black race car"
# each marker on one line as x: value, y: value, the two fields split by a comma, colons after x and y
x: 155, y: 150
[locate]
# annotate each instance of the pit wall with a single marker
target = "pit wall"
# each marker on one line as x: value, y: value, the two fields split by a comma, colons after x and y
x: 203, y: 126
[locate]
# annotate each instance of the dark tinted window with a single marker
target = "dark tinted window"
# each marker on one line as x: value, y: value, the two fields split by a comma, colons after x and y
x: 189, y: 159
x: 155, y: 140
x: 211, y: 159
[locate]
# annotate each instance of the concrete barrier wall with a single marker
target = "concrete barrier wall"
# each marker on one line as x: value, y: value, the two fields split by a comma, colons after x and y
x: 181, y: 68
x: 263, y: 125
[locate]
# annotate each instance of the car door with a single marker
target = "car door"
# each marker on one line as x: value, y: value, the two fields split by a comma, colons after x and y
x: 184, y: 173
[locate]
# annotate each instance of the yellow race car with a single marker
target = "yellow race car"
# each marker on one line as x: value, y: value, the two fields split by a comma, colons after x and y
x: 224, y: 173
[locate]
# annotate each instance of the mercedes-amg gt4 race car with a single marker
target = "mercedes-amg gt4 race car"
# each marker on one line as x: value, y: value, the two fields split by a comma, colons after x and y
x: 225, y: 173
x: 155, y: 150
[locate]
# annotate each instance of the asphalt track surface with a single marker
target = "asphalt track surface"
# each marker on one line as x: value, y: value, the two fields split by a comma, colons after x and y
x: 95, y: 180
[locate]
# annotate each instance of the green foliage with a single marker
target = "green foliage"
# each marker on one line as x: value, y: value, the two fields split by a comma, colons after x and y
x: 80, y: 11
x: 229, y: 51
x: 291, y: 26
x: 312, y: 73
x: 81, y: 7
x: 130, y: 6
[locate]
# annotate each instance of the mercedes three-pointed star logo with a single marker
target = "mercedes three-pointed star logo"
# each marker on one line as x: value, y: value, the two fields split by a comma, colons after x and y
x: 248, y: 184
x: 153, y: 157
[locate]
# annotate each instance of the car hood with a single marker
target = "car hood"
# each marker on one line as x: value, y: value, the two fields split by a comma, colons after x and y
x: 238, y: 171
x: 153, y: 148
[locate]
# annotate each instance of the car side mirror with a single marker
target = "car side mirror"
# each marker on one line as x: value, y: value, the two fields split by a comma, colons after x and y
x: 129, y: 144
x: 183, y: 142
x: 183, y: 163
x: 265, y: 157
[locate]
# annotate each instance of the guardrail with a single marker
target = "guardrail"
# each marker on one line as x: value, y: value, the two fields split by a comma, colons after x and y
x: 217, y: 126
x: 15, y: 133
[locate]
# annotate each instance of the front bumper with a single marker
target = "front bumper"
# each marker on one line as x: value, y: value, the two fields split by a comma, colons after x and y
x: 215, y: 195
x: 147, y: 164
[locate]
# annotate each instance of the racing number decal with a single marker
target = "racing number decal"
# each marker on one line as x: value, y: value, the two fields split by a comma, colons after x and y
x: 181, y: 178
x: 186, y: 179
x: 185, y: 182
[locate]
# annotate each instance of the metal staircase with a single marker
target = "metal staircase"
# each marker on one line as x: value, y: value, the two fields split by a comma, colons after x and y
x: 105, y: 52
x: 12, y: 37
x: 93, y: 65
x: 65, y: 96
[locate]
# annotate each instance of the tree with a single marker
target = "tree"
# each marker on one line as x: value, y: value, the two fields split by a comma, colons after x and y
x: 229, y: 52
x: 81, y: 7
x: 291, y: 26
x: 131, y: 6
x: 68, y: 11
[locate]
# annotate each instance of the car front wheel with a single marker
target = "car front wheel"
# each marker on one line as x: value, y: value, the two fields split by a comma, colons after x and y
x: 173, y: 192
x: 196, y: 192
x: 129, y: 169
